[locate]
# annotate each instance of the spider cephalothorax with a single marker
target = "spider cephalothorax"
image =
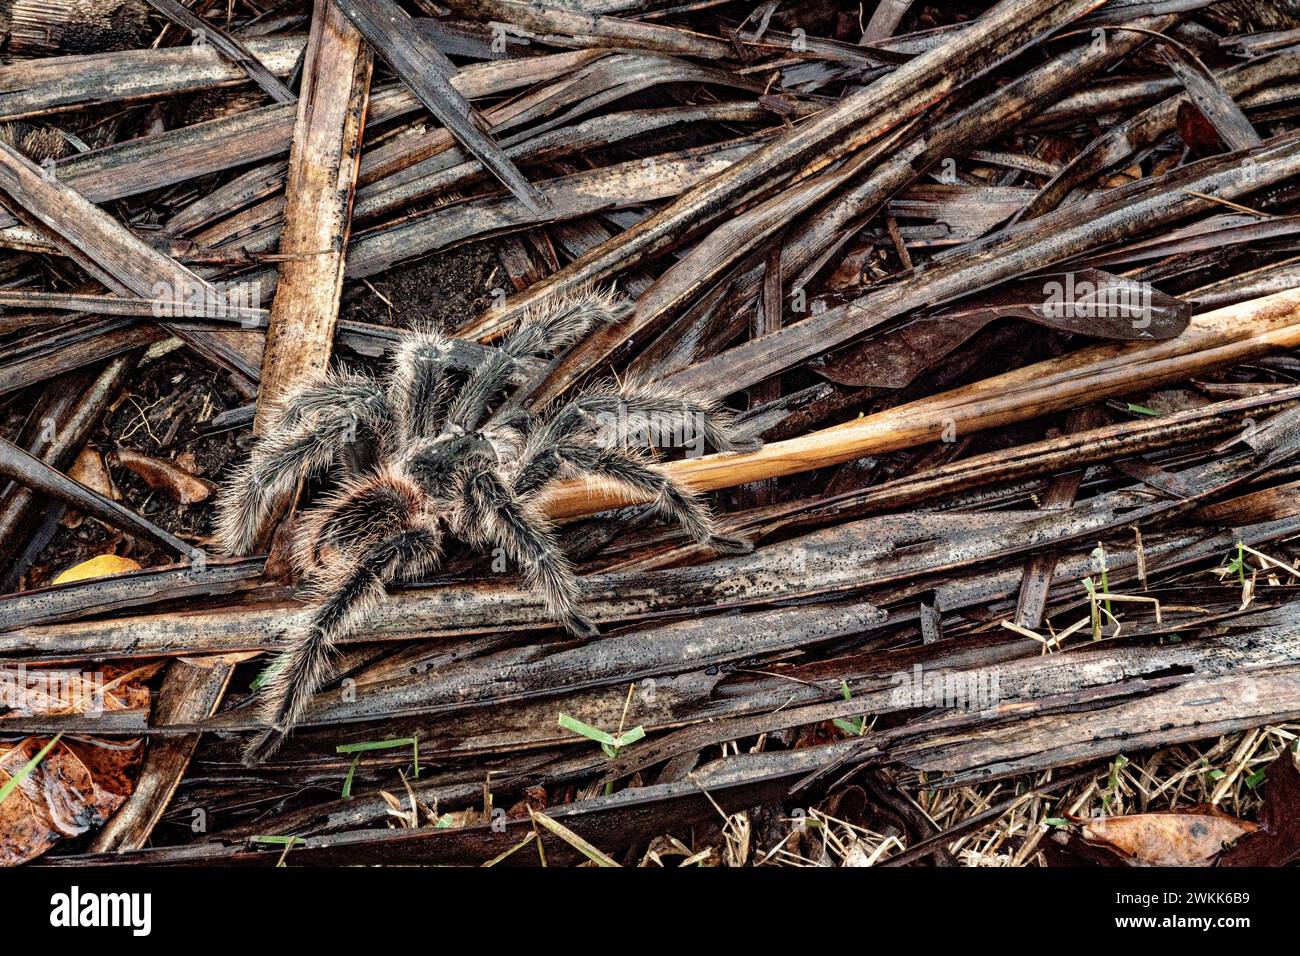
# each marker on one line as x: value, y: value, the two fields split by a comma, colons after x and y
x: 420, y: 455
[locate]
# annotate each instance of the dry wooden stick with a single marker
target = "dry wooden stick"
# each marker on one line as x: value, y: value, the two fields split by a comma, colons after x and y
x: 60, y: 83
x: 875, y: 173
x: 578, y: 194
x: 111, y: 305
x: 17, y: 465
x: 1226, y: 336
x: 426, y: 70
x: 112, y: 253
x: 228, y: 46
x: 883, y: 23
x: 321, y: 182
x: 160, y: 159
x: 1215, y: 104
x: 1060, y: 493
x: 588, y: 29
x: 1015, y: 251
x: 79, y: 402
x: 1146, y: 128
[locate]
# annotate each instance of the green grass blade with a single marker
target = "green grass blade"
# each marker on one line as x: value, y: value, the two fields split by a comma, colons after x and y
x: 630, y: 736
x: 588, y: 731
x: 267, y: 673
x: 347, y: 782
x: 12, y: 783
x: 375, y: 745
x: 507, y: 853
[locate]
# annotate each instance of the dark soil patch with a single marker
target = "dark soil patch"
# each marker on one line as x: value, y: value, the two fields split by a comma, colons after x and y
x: 446, y: 289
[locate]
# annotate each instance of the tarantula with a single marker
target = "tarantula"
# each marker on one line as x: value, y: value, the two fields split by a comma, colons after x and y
x: 428, y: 452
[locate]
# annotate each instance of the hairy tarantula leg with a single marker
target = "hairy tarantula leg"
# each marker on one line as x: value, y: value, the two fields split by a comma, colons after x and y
x: 339, y: 393
x: 641, y: 415
x: 554, y: 325
x: 559, y: 322
x: 528, y: 540
x: 419, y: 388
x: 301, y: 670
x: 671, y: 498
x: 480, y: 390
x: 276, y: 463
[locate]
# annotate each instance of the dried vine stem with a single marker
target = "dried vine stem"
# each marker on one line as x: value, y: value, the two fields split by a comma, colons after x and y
x: 1235, y: 333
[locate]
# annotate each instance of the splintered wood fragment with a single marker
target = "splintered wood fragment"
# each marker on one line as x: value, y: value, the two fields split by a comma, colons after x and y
x: 60, y: 83
x: 112, y: 253
x: 228, y: 46
x: 1235, y: 333
x: 191, y: 691
x: 883, y: 23
x: 425, y: 69
x: 321, y: 183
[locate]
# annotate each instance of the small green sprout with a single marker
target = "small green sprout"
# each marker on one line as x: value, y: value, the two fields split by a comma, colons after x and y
x: 855, y: 726
x: 611, y: 744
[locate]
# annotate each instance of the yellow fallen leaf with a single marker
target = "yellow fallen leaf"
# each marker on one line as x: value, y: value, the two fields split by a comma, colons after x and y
x: 100, y: 566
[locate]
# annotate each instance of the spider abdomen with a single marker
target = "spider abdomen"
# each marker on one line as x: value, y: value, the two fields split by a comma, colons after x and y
x: 361, y: 512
